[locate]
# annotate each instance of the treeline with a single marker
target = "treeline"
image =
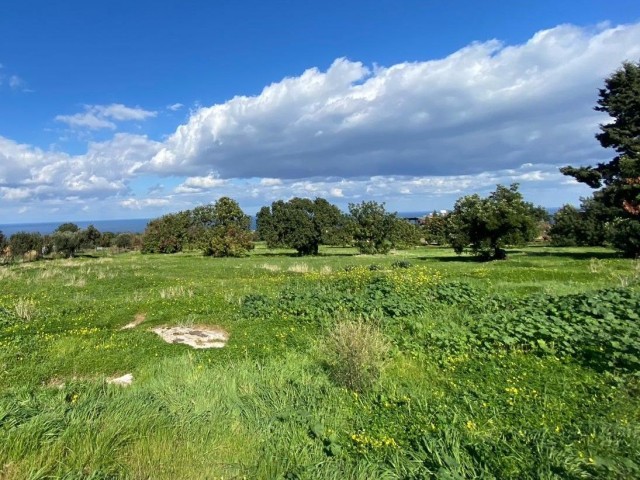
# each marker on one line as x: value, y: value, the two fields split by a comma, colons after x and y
x: 222, y: 229
x: 66, y: 240
x: 483, y: 226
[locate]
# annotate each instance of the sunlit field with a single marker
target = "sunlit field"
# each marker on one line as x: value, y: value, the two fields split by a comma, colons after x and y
x: 417, y: 364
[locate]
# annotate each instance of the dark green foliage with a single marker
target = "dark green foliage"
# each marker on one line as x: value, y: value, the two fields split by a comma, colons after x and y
x: 226, y: 229
x: 302, y: 224
x: 230, y: 241
x: 106, y: 239
x: 572, y: 227
x: 67, y: 227
x: 405, y: 234
x: 123, y: 241
x: 90, y: 237
x: 315, y: 302
x: 24, y: 242
x: 488, y: 225
x: 435, y: 228
x: 619, y: 179
x: 624, y: 235
x: 197, y: 228
x: 167, y: 234
x: 374, y: 227
x: 401, y: 264
x: 598, y: 329
x: 66, y: 242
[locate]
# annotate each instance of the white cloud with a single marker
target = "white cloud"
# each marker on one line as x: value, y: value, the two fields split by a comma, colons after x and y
x: 97, y: 117
x: 29, y: 173
x: 136, y: 204
x: 200, y: 184
x: 410, y: 132
x: 486, y: 106
x: 175, y: 107
x: 86, y: 120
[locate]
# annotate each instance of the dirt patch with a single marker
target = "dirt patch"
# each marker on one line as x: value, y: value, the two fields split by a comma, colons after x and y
x: 137, y: 320
x: 200, y: 336
x: 123, y: 381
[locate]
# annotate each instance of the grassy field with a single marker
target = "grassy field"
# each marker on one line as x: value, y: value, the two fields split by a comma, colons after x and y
x: 417, y: 364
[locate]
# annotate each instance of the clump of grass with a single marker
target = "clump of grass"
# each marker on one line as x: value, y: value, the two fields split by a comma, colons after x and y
x: 76, y: 281
x: 299, y: 268
x: 48, y: 273
x: 357, y: 352
x: 25, y: 309
x: 176, y: 292
x: 326, y: 270
x: 5, y: 274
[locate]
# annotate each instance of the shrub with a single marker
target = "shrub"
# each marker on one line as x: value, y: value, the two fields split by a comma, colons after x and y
x: 356, y: 354
x: 401, y: 264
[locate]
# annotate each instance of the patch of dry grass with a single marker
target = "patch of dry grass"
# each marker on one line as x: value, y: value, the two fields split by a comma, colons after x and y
x: 299, y: 268
x: 176, y: 292
x: 25, y: 309
x: 271, y: 267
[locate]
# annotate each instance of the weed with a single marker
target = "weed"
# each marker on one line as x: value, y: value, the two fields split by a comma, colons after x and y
x: 356, y: 353
x: 25, y: 309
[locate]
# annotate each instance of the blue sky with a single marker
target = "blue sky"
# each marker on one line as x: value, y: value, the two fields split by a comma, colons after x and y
x: 114, y: 109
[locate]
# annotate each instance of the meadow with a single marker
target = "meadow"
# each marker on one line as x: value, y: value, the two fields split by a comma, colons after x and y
x: 417, y: 364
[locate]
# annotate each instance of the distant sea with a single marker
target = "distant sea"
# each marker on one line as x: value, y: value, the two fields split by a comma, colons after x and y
x: 131, y: 225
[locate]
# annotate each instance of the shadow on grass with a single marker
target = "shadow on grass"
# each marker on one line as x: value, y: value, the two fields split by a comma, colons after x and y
x: 573, y: 255
x: 297, y: 255
x: 455, y: 258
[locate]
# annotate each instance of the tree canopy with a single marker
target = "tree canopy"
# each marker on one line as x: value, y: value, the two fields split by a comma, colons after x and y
x: 618, y: 180
x: 229, y: 234
x: 374, y: 228
x: 300, y: 223
x: 487, y: 225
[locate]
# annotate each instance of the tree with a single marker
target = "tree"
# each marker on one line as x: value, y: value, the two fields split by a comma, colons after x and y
x: 373, y: 227
x: 21, y: 243
x: 404, y: 234
x: 487, y: 225
x: 300, y: 223
x: 67, y: 227
x: 66, y: 242
x: 123, y: 241
x: 167, y: 234
x: 90, y: 237
x: 584, y: 226
x: 618, y: 181
x: 435, y: 228
x: 228, y: 229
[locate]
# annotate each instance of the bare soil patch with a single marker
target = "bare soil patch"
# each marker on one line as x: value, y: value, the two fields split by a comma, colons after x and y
x: 123, y: 381
x: 197, y: 336
x: 137, y: 320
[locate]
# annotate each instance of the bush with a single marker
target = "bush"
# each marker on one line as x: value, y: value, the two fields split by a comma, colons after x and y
x: 229, y: 241
x: 357, y: 353
x: 624, y: 234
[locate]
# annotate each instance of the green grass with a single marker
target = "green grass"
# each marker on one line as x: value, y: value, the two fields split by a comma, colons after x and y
x: 268, y: 406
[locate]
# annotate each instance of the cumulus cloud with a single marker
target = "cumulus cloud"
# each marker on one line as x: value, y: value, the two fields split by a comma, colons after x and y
x: 97, y: 117
x: 411, y: 132
x: 487, y: 106
x: 29, y: 173
x: 136, y: 204
x: 200, y: 184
